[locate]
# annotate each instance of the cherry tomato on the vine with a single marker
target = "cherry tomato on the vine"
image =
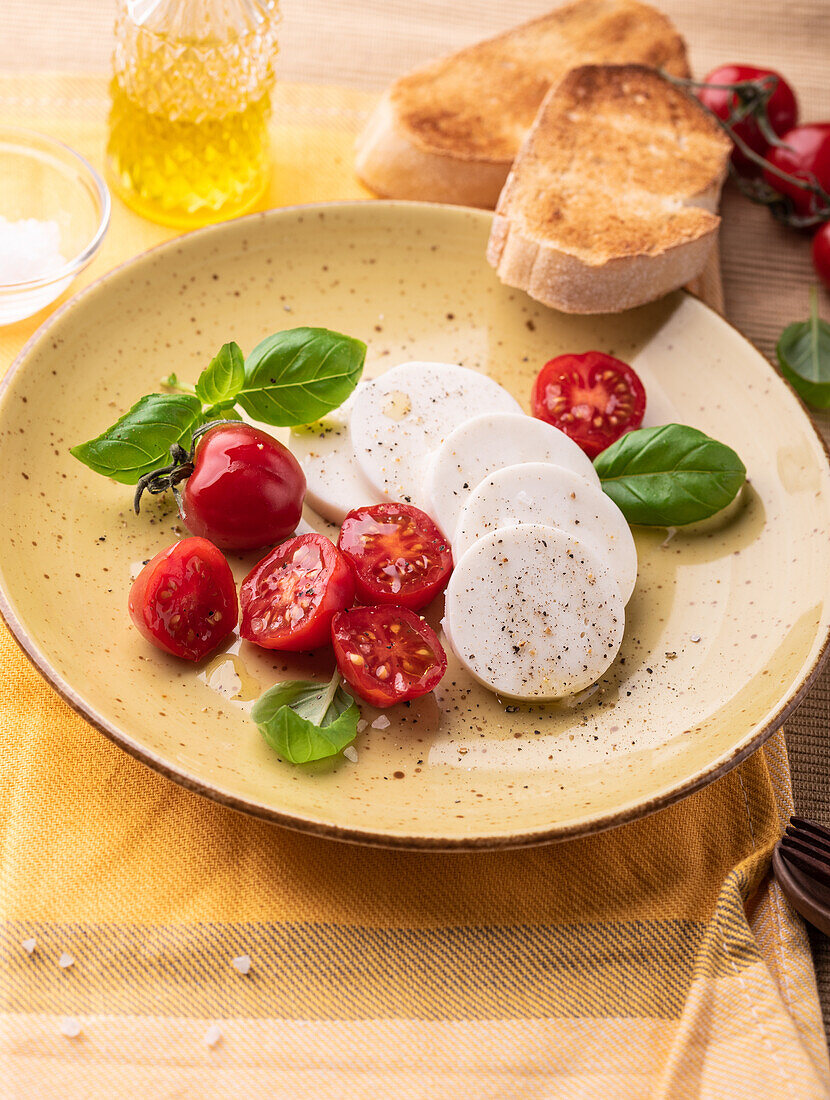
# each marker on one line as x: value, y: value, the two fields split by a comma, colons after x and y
x: 290, y: 597
x: 397, y: 554
x: 246, y: 489
x: 821, y: 254
x: 387, y: 654
x: 184, y: 599
x: 806, y: 152
x: 782, y: 109
x: 592, y: 397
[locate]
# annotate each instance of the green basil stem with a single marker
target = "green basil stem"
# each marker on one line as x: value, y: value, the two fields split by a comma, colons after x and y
x: 331, y: 691
x: 171, y: 382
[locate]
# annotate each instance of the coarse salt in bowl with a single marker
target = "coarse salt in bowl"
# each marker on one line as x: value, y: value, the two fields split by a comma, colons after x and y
x: 54, y: 212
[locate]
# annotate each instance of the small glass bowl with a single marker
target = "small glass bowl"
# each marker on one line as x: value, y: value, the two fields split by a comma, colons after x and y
x: 44, y: 181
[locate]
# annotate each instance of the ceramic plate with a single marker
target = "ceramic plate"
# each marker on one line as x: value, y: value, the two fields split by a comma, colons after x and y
x: 725, y: 631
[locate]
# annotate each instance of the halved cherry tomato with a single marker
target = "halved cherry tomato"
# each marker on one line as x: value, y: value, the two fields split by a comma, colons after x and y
x: 805, y: 153
x: 593, y: 398
x: 782, y: 109
x: 397, y: 554
x: 290, y: 597
x: 184, y: 600
x: 246, y: 489
x: 387, y: 654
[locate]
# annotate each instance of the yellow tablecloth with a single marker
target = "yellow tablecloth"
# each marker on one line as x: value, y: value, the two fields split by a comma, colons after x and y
x: 656, y: 960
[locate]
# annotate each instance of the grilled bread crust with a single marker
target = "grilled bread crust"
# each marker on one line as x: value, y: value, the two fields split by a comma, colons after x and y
x: 449, y: 131
x: 611, y: 201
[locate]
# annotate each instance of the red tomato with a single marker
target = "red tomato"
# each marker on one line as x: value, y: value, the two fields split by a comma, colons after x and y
x: 397, y: 554
x: 246, y: 489
x: 782, y: 108
x: 290, y: 597
x: 593, y: 398
x: 808, y: 152
x: 184, y: 600
x: 387, y: 654
x: 821, y: 254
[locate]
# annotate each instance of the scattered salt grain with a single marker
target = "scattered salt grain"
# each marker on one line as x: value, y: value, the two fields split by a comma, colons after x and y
x: 212, y: 1036
x: 29, y: 946
x: 70, y: 1027
x: 361, y: 725
x: 695, y: 638
x: 350, y: 752
x: 66, y: 960
x: 380, y: 723
x: 241, y: 963
x: 29, y: 250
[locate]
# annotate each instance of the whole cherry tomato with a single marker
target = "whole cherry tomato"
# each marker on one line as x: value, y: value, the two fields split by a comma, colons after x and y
x: 592, y: 397
x: 184, y: 600
x: 806, y: 151
x: 290, y: 597
x: 387, y: 654
x: 397, y: 554
x: 782, y: 109
x: 246, y: 489
x: 821, y: 254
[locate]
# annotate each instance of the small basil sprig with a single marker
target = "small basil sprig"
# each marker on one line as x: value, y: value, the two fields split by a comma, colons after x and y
x: 669, y: 476
x: 290, y: 378
x: 141, y: 439
x: 297, y: 376
x: 803, y: 351
x: 223, y: 377
x: 303, y: 720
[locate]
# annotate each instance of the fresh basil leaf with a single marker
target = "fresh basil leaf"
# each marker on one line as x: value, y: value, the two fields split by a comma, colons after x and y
x: 140, y: 441
x: 669, y: 476
x: 303, y: 720
x: 297, y: 376
x: 803, y: 351
x: 223, y: 377
x: 221, y: 412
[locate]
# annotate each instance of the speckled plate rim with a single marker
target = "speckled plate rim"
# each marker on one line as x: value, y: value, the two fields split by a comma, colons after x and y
x: 591, y: 824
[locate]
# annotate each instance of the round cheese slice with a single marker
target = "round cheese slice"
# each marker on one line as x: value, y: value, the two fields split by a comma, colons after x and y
x: 533, y: 614
x: 334, y: 482
x: 539, y: 492
x: 399, y: 418
x: 486, y: 443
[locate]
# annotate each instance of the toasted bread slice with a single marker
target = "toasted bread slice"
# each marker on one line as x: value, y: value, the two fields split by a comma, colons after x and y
x: 449, y: 131
x: 611, y: 201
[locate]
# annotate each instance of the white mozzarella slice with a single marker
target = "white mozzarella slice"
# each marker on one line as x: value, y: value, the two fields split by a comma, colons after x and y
x: 334, y: 482
x: 534, y: 614
x: 539, y: 492
x: 399, y: 418
x: 484, y: 444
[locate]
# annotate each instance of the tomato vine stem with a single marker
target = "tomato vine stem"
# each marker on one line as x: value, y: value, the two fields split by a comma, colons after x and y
x: 752, y: 97
x: 182, y: 466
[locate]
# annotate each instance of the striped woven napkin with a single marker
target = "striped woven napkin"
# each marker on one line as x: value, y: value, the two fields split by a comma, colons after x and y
x: 155, y: 944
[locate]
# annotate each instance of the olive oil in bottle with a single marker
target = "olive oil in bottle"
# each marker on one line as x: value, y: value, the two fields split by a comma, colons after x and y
x: 191, y: 100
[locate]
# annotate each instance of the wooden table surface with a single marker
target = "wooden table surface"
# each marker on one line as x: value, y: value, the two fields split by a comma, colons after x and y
x: 766, y: 268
